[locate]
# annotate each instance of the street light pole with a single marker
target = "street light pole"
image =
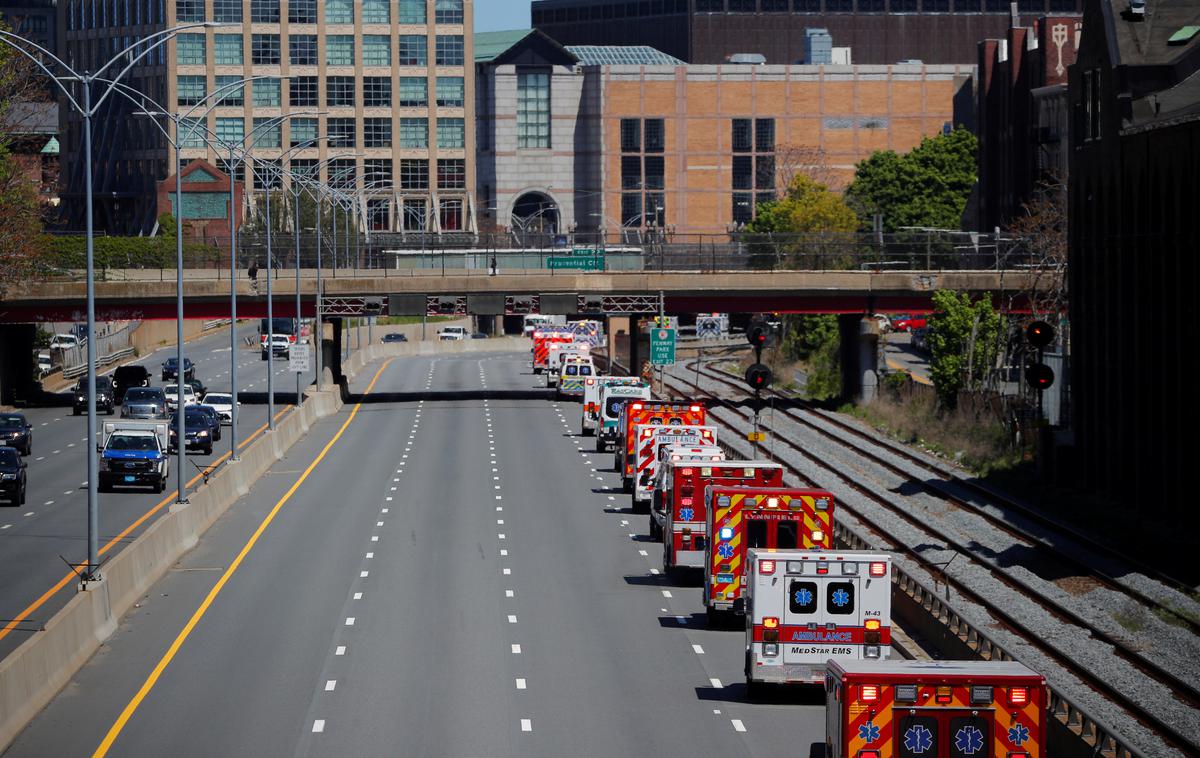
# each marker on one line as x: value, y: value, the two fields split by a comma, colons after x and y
x: 233, y: 348
x: 296, y: 235
x: 93, y: 483
x: 181, y: 433
x: 270, y: 347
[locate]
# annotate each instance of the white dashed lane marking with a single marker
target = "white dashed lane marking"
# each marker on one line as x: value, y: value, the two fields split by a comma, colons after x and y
x: 319, y: 725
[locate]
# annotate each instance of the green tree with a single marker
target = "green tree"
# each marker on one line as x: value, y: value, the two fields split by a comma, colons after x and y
x: 20, y: 210
x: 807, y: 208
x: 927, y: 186
x: 815, y: 342
x: 963, y: 339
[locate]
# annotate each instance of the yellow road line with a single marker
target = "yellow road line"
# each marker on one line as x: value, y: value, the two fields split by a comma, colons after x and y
x: 894, y: 366
x: 167, y: 657
x: 57, y: 586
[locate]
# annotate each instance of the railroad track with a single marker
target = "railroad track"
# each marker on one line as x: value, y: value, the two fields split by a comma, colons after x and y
x: 1150, y: 716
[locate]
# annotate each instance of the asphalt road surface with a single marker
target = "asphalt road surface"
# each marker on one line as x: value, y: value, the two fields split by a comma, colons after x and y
x: 445, y: 569
x: 38, y: 538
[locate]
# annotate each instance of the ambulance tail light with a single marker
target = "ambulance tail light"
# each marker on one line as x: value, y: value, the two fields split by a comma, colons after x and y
x: 696, y: 408
x: 647, y: 433
x: 685, y: 501
x: 822, y: 568
x: 677, y: 457
x: 716, y: 457
x: 770, y: 649
x: 772, y: 502
x: 1022, y: 754
x: 685, y: 536
x: 879, y: 569
x: 872, y: 624
x: 944, y: 695
x: 771, y: 630
x: 771, y: 622
x: 590, y: 382
x: 818, y: 536
x: 872, y: 637
x: 636, y: 407
x: 867, y: 754
x: 766, y: 568
x: 871, y: 651
x: 1018, y: 695
x: 686, y: 472
x: 869, y: 693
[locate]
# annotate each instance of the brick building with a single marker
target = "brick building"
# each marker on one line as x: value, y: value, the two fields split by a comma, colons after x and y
x: 206, y: 207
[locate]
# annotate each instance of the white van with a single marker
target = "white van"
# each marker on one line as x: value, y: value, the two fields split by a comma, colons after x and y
x: 453, y: 333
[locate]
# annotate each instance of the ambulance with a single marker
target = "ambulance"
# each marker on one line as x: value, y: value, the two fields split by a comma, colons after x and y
x: 613, y: 399
x: 649, y: 412
x: 678, y: 509
x: 934, y: 709
x: 739, y: 518
x: 591, y: 398
x: 572, y: 373
x: 558, y: 354
x: 651, y: 439
x: 805, y: 607
x: 543, y: 339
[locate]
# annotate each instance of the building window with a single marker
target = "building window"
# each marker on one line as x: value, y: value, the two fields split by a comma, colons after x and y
x: 231, y: 130
x: 227, y: 49
x: 451, y: 92
x: 237, y: 170
x: 339, y: 12
x: 451, y: 216
x: 655, y: 177
x: 448, y: 11
x: 377, y: 92
x: 268, y: 174
x: 654, y: 135
x: 414, y: 174
x: 267, y: 134
x: 412, y: 51
x: 266, y: 93
x: 339, y: 91
x: 302, y: 11
x: 415, y: 215
x: 229, y: 94
x: 226, y: 11
x: 376, y: 50
x: 302, y: 49
x: 412, y: 12
x: 264, y: 11
x: 753, y: 144
x: 451, y: 174
x: 190, y: 90
x: 533, y: 110
x: 378, y: 213
x: 186, y: 11
x: 414, y: 92
x: 377, y: 173
x: 339, y: 50
x: 341, y: 132
x: 742, y: 137
x: 303, y: 91
x: 191, y: 133
x: 414, y: 133
x: 304, y: 167
x: 643, y: 172
x: 631, y: 209
x: 764, y: 135
x: 451, y: 133
x: 377, y: 132
x: 631, y: 135
x: 302, y: 131
x: 710, y: 6
x: 449, y: 50
x: 808, y: 6
x: 190, y: 50
x: 264, y: 49
x: 775, y: 6
x: 343, y: 173
x: 377, y: 12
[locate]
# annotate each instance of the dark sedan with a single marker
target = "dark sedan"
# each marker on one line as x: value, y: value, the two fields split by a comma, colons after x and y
x: 128, y: 376
x: 170, y: 368
x: 196, y: 431
x: 16, y: 432
x: 106, y: 396
x: 394, y: 337
x: 12, y: 476
x: 214, y: 420
x: 198, y: 387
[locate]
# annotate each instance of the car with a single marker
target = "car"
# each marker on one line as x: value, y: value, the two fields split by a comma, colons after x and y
x: 12, y: 476
x: 170, y: 369
x: 281, y: 346
x: 144, y: 403
x: 452, y: 333
x: 196, y: 431
x: 16, y: 432
x: 197, y: 387
x: 884, y: 323
x: 105, y: 396
x: 222, y: 403
x: 479, y: 336
x: 906, y: 323
x: 64, y: 342
x: 920, y: 337
x: 128, y: 376
x: 172, y: 393
x: 44, y: 364
x: 394, y: 337
x: 214, y: 419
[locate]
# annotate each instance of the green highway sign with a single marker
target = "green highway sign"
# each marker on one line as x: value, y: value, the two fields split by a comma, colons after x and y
x: 662, y: 347
x: 581, y: 259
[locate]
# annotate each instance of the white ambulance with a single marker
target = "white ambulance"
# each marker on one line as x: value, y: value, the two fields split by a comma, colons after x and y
x: 559, y: 352
x: 612, y: 397
x: 650, y: 439
x: 804, y: 607
x: 592, y: 387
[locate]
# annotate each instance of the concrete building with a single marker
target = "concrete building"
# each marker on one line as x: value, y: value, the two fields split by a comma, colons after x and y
x: 35, y: 20
x: 388, y: 82
x: 1021, y: 115
x: 710, y: 31
x: 1135, y: 155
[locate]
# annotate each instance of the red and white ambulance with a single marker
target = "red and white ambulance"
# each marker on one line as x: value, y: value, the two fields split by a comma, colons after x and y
x: 559, y: 354
x: 740, y: 518
x: 934, y: 709
x: 651, y: 439
x: 591, y: 398
x: 677, y: 512
x: 804, y: 607
x: 649, y: 412
x: 543, y: 339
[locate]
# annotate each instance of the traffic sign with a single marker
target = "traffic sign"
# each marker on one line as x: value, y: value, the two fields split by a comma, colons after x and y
x: 756, y: 436
x: 583, y: 259
x: 662, y: 347
x: 299, y: 357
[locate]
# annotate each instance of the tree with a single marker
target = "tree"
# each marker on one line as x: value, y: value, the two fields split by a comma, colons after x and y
x: 963, y: 341
x: 20, y: 211
x: 1040, y: 240
x: 807, y: 208
x: 816, y: 342
x: 926, y: 187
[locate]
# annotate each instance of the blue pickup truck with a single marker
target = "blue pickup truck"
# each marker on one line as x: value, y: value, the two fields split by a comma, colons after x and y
x: 134, y: 454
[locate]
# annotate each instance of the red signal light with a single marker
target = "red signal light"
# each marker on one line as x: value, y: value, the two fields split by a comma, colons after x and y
x: 1039, y: 375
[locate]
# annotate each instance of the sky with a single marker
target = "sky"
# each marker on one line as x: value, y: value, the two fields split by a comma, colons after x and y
x: 495, y: 15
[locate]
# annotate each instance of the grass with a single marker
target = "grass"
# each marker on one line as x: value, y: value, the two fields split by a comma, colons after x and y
x: 1130, y: 617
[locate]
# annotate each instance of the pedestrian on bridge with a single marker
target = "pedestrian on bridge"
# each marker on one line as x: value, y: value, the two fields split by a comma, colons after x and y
x: 253, y: 272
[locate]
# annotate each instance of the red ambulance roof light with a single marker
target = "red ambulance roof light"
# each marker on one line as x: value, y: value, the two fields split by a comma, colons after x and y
x: 1018, y: 695
x: 766, y: 567
x: 870, y: 693
x: 879, y: 569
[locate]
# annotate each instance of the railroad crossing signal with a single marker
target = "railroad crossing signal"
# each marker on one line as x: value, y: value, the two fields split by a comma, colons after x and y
x: 1039, y: 375
x: 1040, y: 334
x: 758, y: 334
x: 758, y: 377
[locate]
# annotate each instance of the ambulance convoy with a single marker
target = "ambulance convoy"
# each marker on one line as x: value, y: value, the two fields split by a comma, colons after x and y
x: 811, y: 615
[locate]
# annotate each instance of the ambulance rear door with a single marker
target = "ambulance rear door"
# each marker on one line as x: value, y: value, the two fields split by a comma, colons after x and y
x: 823, y: 617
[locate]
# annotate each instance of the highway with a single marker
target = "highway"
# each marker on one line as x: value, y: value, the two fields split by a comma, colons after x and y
x: 53, y: 521
x: 445, y: 569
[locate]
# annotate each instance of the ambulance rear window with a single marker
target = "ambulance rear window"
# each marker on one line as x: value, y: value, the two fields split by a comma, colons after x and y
x: 585, y: 370
x: 572, y: 370
x: 756, y: 533
x: 786, y: 535
x: 839, y: 598
x: 802, y: 597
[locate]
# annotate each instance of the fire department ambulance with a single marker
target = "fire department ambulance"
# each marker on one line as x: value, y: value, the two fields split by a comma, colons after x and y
x: 934, y: 709
x: 678, y: 506
x: 613, y: 399
x: 543, y: 339
x: 765, y: 517
x: 805, y: 607
x: 649, y: 412
x: 573, y: 372
x: 591, y: 398
x: 651, y: 439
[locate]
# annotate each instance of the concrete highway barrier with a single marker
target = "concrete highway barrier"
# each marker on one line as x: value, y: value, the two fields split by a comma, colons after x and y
x: 34, y: 673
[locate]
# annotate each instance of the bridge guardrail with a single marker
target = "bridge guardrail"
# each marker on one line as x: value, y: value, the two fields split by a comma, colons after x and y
x: 74, y: 372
